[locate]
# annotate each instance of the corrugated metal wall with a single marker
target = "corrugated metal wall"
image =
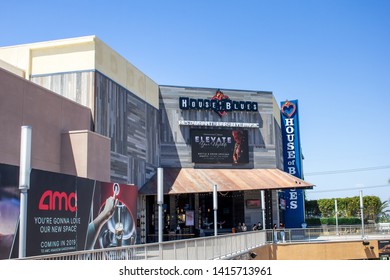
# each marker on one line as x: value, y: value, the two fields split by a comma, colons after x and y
x: 132, y: 125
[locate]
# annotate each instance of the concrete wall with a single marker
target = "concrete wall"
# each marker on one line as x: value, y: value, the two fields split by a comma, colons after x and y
x: 346, y: 250
x: 85, y: 153
x: 50, y: 115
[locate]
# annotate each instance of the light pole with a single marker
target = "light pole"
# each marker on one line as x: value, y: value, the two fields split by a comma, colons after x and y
x: 215, y: 207
x: 24, y: 185
x: 337, y: 214
x: 262, y: 207
x: 160, y: 202
x: 361, y: 212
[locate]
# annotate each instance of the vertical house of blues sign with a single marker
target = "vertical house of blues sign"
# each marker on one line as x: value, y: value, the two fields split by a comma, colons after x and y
x: 295, y: 211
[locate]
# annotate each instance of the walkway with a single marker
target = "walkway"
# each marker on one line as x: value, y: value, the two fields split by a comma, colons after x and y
x: 225, y: 246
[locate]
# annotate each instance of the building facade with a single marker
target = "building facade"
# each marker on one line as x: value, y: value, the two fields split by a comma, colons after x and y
x: 123, y: 101
x: 199, y: 136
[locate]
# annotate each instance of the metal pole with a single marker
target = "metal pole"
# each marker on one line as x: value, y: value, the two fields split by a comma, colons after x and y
x: 160, y: 202
x: 24, y: 185
x: 263, y: 207
x: 337, y: 220
x: 361, y: 212
x: 215, y: 207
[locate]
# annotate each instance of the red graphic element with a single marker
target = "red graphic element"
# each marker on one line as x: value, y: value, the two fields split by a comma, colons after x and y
x: 220, y: 96
x: 288, y: 109
x: 51, y: 201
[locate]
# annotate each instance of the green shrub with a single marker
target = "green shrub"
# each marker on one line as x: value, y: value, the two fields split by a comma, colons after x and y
x: 332, y: 221
x: 313, y: 221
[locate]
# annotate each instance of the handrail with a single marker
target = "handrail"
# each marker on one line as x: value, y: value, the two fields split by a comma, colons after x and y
x: 224, y: 246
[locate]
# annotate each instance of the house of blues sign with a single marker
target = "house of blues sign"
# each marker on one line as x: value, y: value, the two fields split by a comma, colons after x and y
x: 219, y: 103
x: 294, y: 213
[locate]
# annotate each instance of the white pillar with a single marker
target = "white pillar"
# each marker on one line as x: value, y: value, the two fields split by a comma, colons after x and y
x: 262, y: 196
x: 160, y: 202
x: 337, y: 215
x: 361, y: 212
x: 215, y: 207
x: 24, y: 185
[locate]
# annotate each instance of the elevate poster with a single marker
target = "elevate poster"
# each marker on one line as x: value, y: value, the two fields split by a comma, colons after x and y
x: 294, y: 214
x: 219, y: 146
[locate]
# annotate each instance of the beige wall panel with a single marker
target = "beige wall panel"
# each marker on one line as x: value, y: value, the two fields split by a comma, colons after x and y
x: 11, y: 68
x: 16, y: 56
x: 68, y: 58
x: 117, y: 68
x: 140, y: 85
x: 81, y: 54
x: 152, y: 96
x: 70, y: 55
x: 130, y: 76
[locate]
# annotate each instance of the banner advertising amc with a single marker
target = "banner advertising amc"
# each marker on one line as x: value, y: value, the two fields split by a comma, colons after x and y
x: 66, y: 213
x: 294, y: 199
x: 219, y: 146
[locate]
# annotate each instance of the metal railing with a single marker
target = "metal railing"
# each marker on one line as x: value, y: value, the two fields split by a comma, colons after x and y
x: 213, y: 247
x: 333, y: 233
x: 225, y: 246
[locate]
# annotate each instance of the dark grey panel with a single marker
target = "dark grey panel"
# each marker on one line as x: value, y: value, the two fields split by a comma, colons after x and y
x: 175, y: 139
x: 132, y: 124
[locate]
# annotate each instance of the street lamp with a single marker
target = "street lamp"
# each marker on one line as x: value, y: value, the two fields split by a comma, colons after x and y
x: 215, y: 207
x: 337, y: 220
x: 361, y: 212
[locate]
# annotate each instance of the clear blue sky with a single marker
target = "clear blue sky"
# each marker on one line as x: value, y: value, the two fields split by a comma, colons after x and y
x: 332, y: 56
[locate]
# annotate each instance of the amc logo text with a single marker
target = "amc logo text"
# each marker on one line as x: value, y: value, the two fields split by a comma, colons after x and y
x: 55, y: 200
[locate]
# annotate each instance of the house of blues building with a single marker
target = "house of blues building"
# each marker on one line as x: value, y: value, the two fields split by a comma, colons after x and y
x: 131, y: 126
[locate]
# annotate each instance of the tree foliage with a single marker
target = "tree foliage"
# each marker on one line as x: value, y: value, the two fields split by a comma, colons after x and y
x: 347, y: 207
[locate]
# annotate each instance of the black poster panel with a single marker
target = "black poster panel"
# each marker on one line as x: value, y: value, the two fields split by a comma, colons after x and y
x: 85, y: 190
x: 219, y: 146
x: 58, y: 211
x: 384, y: 249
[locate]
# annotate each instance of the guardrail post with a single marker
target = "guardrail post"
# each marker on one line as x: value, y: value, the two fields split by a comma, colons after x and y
x: 204, y: 248
x: 196, y: 250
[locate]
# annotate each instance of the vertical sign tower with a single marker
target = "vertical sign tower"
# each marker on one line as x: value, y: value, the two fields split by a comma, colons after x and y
x: 294, y: 214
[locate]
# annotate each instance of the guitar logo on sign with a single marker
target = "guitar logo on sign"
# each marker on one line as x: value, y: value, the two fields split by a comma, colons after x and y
x: 288, y: 109
x: 220, y: 96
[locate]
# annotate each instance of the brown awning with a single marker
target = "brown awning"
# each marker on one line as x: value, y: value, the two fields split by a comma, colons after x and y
x: 189, y: 180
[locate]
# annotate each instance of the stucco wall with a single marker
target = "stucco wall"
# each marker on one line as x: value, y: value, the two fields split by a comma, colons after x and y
x: 49, y: 114
x: 347, y: 250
